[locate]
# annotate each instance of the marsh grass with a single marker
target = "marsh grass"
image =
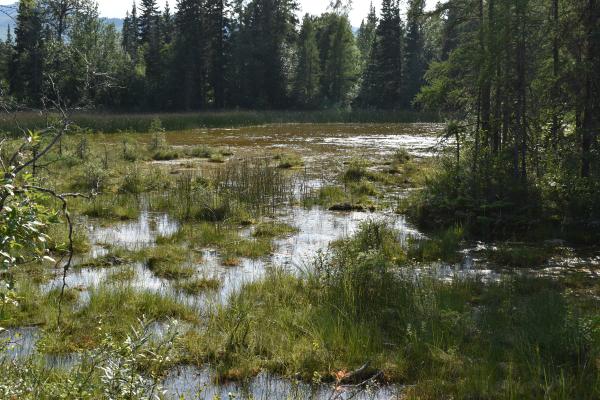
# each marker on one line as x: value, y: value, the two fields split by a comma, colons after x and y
x: 201, y: 151
x: 288, y: 160
x: 111, y: 309
x: 256, y: 183
x: 198, y: 285
x: 337, y: 198
x: 115, y: 122
x: 520, y: 255
x: 121, y: 275
x: 513, y: 339
x: 273, y: 229
x: 442, y: 246
x: 169, y: 261
x: 109, y: 206
x: 166, y: 154
x: 58, y: 237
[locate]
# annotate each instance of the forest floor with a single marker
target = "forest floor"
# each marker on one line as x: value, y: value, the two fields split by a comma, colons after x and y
x: 281, y: 250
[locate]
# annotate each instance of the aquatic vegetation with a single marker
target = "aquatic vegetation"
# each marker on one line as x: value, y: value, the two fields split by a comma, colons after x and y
x: 367, y: 297
x: 356, y: 305
x: 254, y: 182
x: 197, y: 285
x: 288, y: 160
x: 201, y: 151
x: 356, y: 171
x: 273, y: 229
x: 363, y: 188
x: 165, y: 154
x: 217, y: 158
x: 443, y: 246
x: 520, y: 256
x: 169, y: 262
x: 121, y: 207
x: 58, y: 237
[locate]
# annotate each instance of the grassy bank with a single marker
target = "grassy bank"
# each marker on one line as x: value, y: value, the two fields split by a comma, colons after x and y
x: 114, y: 122
x: 519, y: 338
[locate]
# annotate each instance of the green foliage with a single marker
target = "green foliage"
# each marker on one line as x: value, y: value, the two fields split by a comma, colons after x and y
x: 338, y: 54
x: 169, y: 262
x: 288, y: 160
x: 128, y: 368
x: 273, y: 229
x: 356, y: 305
x: 520, y: 256
x: 441, y: 247
x: 196, y: 286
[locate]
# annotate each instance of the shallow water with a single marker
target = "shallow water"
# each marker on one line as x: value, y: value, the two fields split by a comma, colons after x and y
x: 135, y: 234
x: 317, y: 229
x: 189, y: 382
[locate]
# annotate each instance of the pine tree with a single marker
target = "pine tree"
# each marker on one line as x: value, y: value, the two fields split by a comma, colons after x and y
x: 414, y: 65
x: 381, y: 85
x: 26, y: 69
x: 307, y: 79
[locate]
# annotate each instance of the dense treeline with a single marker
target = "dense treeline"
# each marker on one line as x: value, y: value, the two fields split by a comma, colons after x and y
x: 212, y: 54
x: 522, y: 78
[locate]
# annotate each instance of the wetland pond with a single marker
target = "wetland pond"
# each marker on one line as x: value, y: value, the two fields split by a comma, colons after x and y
x: 325, y: 151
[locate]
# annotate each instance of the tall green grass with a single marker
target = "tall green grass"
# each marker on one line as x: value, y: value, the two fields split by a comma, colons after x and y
x: 519, y: 338
x: 115, y: 122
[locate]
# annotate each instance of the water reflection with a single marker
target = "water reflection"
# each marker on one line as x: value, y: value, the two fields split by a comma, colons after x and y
x: 189, y: 382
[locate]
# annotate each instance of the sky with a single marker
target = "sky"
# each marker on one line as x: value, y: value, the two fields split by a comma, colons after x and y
x: 360, y: 8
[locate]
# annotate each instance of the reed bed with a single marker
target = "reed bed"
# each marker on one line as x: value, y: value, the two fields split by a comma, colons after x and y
x: 142, y: 122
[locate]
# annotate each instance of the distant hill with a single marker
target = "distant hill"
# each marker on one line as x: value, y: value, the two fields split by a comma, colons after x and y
x: 8, y: 14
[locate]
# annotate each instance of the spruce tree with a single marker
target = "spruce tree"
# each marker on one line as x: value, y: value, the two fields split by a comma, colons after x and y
x: 26, y: 68
x: 366, y: 34
x: 340, y: 58
x: 308, y: 72
x: 267, y: 32
x: 150, y: 26
x: 168, y: 25
x: 381, y: 85
x: 414, y: 65
x: 216, y: 28
x: 189, y: 62
x: 130, y: 35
